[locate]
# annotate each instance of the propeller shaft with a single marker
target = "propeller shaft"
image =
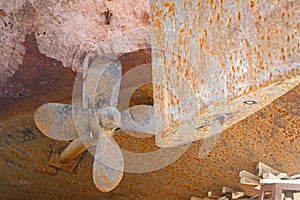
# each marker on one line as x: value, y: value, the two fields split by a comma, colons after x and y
x: 74, y: 149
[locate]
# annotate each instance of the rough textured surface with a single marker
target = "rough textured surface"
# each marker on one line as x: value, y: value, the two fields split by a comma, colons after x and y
x: 65, y: 30
x: 208, y: 53
x: 271, y: 136
x: 41, y: 79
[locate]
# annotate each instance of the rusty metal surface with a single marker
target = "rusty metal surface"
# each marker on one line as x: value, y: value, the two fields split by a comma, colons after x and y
x: 56, y: 121
x: 220, y: 51
x: 235, y: 111
x: 271, y: 136
x: 54, y: 161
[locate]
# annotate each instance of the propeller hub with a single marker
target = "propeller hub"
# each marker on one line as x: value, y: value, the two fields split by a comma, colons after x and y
x: 109, y: 117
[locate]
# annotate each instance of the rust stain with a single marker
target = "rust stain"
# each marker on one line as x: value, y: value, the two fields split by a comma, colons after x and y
x: 170, y: 9
x: 2, y: 13
x: 251, y: 51
x: 108, y: 15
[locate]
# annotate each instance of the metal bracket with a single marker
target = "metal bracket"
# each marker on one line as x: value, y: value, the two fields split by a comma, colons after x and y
x: 54, y: 158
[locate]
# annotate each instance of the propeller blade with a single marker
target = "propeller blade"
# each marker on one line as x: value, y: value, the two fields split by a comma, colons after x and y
x: 55, y: 121
x: 109, y: 163
x: 140, y: 119
x: 86, y: 124
x: 102, y: 84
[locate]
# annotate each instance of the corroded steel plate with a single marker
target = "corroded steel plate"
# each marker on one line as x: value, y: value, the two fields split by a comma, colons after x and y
x: 224, y: 53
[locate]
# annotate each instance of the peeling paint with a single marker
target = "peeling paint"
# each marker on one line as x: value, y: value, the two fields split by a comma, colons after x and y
x: 65, y: 30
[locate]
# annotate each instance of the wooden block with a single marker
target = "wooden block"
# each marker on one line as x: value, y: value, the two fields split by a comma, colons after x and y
x: 236, y: 195
x: 282, y: 175
x: 249, y: 181
x: 295, y: 176
x: 271, y: 181
x: 258, y: 187
x: 262, y: 168
x: 269, y: 175
x: 211, y: 195
x: 248, y: 174
x: 297, y: 196
x: 223, y: 198
x: 226, y: 190
x: 196, y: 198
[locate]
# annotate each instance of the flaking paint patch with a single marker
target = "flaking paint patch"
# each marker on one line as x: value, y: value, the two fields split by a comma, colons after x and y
x: 65, y: 30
